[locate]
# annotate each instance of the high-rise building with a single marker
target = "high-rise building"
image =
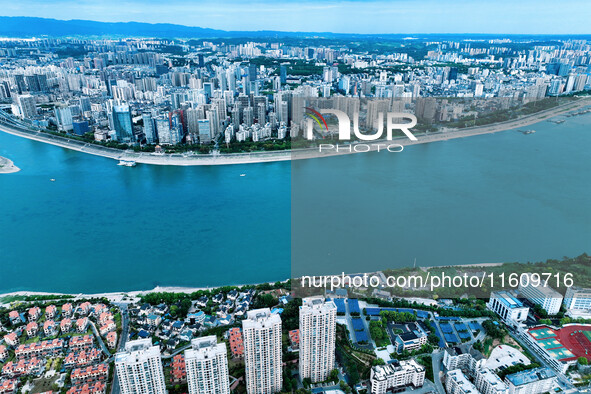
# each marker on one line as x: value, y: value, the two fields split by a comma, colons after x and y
x: 204, y: 131
x: 64, y: 118
x: 122, y: 123
x: 139, y: 368
x: 262, y: 351
x: 207, y: 366
x: 27, y: 106
x: 317, y: 338
x: 149, y: 128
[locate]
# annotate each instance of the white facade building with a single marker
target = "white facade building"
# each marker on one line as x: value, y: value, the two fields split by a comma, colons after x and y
x: 396, y: 375
x: 577, y: 301
x: 262, y: 351
x: 207, y: 366
x: 488, y: 382
x: 139, y: 368
x: 457, y: 383
x: 533, y: 381
x: 509, y: 308
x: 548, y: 298
x: 317, y: 338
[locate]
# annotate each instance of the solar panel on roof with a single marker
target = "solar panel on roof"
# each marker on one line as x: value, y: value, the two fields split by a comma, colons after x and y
x: 358, y: 325
x: 340, y: 303
x: 354, y: 305
x: 422, y: 314
x: 372, y: 311
x: 361, y: 336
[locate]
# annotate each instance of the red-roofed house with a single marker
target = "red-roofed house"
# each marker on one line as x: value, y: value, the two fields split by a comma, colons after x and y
x: 8, y: 386
x: 104, y: 317
x: 66, y: 325
x: 34, y: 313
x: 82, y: 324
x: 32, y: 329
x: 3, y: 353
x: 50, y: 312
x: 98, y: 309
x: 108, y: 327
x: 81, y: 342
x: 179, y: 370
x: 85, y: 308
x: 236, y: 342
x: 112, y: 339
x: 294, y: 339
x: 67, y: 310
x: 11, y: 339
x: 50, y: 328
x: 94, y: 388
x: 91, y: 374
x: 15, y: 318
x: 51, y: 347
x: 22, y: 367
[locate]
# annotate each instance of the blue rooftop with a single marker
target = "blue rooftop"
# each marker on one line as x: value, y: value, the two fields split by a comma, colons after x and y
x: 509, y: 300
x: 532, y: 375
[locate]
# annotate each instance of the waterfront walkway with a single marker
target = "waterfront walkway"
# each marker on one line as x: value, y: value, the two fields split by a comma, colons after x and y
x: 12, y: 125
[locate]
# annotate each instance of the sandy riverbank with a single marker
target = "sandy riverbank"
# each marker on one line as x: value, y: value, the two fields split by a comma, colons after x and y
x: 296, y: 154
x: 7, y: 166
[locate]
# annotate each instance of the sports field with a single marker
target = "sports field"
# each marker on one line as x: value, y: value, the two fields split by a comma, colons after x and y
x: 567, y: 343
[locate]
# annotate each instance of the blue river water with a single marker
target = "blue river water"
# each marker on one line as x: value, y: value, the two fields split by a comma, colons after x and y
x: 102, y: 227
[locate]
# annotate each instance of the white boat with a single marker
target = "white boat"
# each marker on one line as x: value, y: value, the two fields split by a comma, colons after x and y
x: 126, y: 163
x: 242, y: 174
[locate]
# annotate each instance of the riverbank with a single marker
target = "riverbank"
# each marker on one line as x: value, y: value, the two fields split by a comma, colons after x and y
x: 295, y: 154
x: 7, y: 166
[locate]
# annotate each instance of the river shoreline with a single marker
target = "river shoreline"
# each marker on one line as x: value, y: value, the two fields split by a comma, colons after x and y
x: 7, y: 166
x: 295, y: 154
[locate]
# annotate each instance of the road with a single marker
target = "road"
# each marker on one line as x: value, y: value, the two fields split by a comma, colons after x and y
x: 436, y: 360
x: 115, y: 389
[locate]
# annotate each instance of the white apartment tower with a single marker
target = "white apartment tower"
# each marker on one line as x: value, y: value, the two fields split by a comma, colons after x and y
x: 207, y: 366
x: 262, y: 351
x: 139, y: 368
x: 317, y: 338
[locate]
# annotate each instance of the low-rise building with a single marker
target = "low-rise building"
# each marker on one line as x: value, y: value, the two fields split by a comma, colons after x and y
x: 90, y: 374
x: 67, y: 310
x: 178, y: 369
x: 11, y: 339
x: 15, y: 317
x: 50, y: 312
x: 32, y: 329
x: 396, y: 375
x: 236, y: 342
x: 457, y: 383
x: 34, y: 313
x: 537, y: 380
x: 111, y: 339
x: 548, y: 298
x: 508, y: 307
x: 488, y: 382
x: 294, y: 339
x: 82, y: 324
x: 577, y: 301
x: 65, y: 325
x: 50, y: 328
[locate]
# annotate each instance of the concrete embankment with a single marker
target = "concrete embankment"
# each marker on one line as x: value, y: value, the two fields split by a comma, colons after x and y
x: 295, y: 154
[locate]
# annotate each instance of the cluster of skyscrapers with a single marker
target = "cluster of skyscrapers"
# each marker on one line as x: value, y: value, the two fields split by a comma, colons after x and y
x: 139, y: 366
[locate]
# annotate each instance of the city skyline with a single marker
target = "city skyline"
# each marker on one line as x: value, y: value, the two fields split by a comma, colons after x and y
x: 353, y: 17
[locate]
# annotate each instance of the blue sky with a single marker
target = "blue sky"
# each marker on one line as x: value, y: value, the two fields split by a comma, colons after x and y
x: 398, y: 16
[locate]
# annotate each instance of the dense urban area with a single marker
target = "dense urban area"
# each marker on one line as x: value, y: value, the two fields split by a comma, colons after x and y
x: 190, y: 97
x: 260, y: 339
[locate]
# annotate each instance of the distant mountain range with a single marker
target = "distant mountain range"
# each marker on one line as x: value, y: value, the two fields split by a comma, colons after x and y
x: 24, y: 26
